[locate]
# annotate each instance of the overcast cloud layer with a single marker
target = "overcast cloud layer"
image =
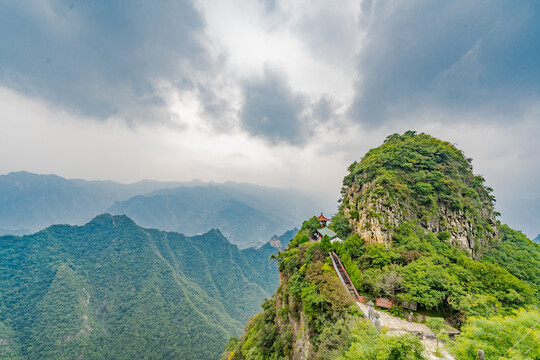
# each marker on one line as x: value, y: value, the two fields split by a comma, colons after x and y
x: 281, y: 93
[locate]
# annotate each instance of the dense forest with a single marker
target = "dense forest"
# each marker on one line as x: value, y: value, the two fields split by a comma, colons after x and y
x: 418, y: 227
x: 113, y: 290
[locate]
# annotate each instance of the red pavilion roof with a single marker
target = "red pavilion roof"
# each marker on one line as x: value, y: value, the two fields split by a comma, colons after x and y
x: 322, y: 218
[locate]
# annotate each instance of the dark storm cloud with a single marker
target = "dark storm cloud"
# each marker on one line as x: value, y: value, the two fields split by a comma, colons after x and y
x: 456, y: 55
x: 272, y: 110
x: 102, y: 58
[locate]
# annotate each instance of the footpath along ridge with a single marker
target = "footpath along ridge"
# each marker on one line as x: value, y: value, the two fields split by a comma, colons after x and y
x: 393, y: 324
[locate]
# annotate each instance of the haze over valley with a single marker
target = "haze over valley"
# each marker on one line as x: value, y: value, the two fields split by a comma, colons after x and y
x: 269, y: 179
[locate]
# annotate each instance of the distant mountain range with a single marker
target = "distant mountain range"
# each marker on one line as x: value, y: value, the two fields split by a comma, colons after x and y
x: 113, y: 290
x: 247, y: 214
x: 537, y: 239
x: 30, y: 202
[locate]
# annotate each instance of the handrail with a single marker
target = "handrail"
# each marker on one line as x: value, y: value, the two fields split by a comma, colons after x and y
x: 346, y: 274
x: 334, y: 264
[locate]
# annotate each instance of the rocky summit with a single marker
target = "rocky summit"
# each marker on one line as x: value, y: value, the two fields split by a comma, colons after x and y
x: 414, y: 249
x: 415, y: 177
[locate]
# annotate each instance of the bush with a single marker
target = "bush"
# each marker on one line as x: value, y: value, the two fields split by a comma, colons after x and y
x: 370, y: 344
x: 497, y: 335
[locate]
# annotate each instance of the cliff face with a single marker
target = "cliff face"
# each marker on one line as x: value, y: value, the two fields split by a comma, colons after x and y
x: 294, y: 321
x: 424, y: 180
x: 306, y: 318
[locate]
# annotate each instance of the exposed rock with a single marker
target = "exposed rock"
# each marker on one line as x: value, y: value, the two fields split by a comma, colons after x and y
x: 301, y: 345
x: 383, y: 191
x: 275, y: 242
x: 372, y: 215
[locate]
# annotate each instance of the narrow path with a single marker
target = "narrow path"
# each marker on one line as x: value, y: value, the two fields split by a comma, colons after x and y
x: 394, y: 325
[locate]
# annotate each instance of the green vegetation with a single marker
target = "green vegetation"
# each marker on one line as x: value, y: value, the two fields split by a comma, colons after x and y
x: 419, y: 227
x: 340, y: 225
x: 312, y: 313
x: 435, y: 324
x: 420, y: 189
x: 311, y: 297
x: 370, y: 344
x: 418, y: 267
x: 9, y: 349
x: 517, y: 254
x: 421, y: 268
x: 418, y: 178
x: 113, y: 290
x: 516, y: 336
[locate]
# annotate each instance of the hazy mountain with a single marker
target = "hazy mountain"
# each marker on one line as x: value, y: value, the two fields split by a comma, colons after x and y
x: 113, y: 290
x: 258, y: 258
x: 30, y: 202
x: 249, y: 214
x: 537, y: 239
x: 246, y: 214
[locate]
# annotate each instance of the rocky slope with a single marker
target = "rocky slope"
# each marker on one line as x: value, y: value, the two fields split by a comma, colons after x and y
x: 415, y: 177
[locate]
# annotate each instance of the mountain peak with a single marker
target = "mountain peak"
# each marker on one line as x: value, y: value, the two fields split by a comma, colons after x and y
x: 112, y: 220
x: 416, y: 177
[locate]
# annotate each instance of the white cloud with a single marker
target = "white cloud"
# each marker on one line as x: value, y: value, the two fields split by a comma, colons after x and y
x: 39, y: 138
x: 254, y: 39
x: 415, y: 74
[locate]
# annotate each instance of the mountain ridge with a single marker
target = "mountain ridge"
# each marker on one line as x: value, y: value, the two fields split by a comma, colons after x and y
x: 30, y: 202
x: 104, y: 289
x: 246, y: 217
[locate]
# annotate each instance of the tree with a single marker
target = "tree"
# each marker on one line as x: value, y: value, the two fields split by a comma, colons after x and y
x: 326, y: 244
x: 340, y: 224
x: 517, y: 336
x: 354, y: 245
x: 311, y: 225
x: 435, y: 324
x: 390, y: 283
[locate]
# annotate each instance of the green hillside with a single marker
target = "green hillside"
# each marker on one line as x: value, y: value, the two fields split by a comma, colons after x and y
x: 419, y: 228
x: 415, y: 177
x: 113, y: 290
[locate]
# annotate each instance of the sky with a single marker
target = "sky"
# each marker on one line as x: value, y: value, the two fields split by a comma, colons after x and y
x: 278, y: 93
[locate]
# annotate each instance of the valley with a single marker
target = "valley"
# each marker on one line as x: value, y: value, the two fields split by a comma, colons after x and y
x: 112, y: 289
